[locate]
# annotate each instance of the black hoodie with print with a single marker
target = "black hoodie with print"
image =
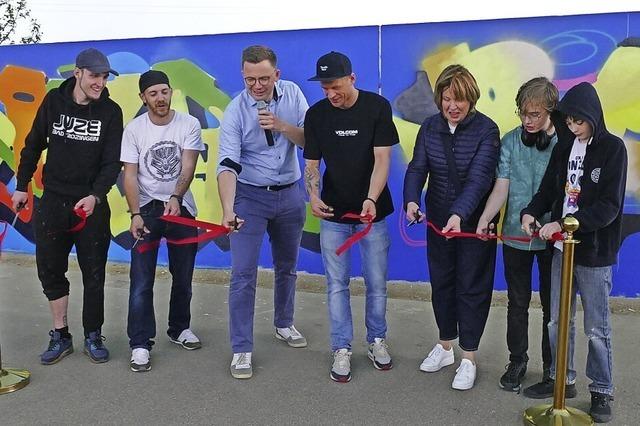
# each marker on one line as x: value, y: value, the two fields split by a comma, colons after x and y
x: 602, y: 186
x: 82, y: 143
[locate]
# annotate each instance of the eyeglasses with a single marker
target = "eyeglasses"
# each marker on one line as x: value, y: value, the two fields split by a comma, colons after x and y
x: 532, y: 116
x: 263, y: 80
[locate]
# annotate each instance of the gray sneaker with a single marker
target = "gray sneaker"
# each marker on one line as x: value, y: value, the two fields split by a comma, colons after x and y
x: 292, y: 336
x: 241, y: 365
x: 378, y: 354
x: 187, y: 340
x: 341, y: 368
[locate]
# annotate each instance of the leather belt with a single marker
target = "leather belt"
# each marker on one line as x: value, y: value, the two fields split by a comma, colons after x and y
x: 274, y: 188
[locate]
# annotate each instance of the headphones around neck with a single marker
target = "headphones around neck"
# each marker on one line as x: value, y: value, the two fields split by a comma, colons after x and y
x: 540, y: 139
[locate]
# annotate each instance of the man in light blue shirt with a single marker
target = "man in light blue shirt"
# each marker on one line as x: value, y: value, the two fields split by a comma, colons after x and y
x: 258, y: 172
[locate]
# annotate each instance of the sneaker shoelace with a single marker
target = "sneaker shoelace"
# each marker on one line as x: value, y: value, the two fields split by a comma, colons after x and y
x: 600, y: 400
x: 513, y: 371
x: 295, y: 334
x: 464, y: 371
x: 244, y: 361
x: 96, y: 342
x: 380, y: 348
x: 435, y: 353
x: 342, y: 358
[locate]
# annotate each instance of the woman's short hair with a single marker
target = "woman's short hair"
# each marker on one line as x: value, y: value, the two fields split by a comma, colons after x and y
x: 462, y: 83
x: 537, y: 91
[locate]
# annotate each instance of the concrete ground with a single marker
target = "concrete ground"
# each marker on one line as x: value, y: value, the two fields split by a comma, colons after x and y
x: 289, y: 386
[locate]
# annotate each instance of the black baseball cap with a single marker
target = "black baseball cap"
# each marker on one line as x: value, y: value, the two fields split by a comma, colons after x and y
x: 332, y: 66
x: 151, y: 78
x: 95, y: 61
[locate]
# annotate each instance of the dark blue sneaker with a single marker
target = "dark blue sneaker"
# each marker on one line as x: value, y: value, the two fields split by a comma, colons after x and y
x: 95, y: 349
x: 59, y: 347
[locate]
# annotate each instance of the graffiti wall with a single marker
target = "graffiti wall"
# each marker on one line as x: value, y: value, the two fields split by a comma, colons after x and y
x: 401, y: 61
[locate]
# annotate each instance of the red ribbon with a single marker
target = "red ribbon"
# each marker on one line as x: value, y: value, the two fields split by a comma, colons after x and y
x: 358, y: 235
x: 450, y: 234
x: 83, y: 220
x: 4, y: 232
x: 212, y: 231
x: 361, y: 234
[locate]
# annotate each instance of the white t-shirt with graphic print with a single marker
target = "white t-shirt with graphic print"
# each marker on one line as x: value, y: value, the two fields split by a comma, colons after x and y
x: 574, y: 175
x: 157, y: 150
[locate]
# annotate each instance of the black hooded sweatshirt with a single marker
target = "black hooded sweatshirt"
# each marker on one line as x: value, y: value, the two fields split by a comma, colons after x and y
x: 82, y: 142
x: 602, y: 186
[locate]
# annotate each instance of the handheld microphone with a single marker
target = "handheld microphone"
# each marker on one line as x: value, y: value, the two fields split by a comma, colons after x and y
x: 262, y: 105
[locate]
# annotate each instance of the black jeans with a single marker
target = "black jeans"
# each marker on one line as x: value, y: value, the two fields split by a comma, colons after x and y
x: 461, y: 272
x: 53, y: 218
x: 141, y: 324
x: 517, y: 272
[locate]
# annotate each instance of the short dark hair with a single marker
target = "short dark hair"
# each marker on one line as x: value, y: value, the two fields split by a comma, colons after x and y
x: 257, y: 53
x: 462, y: 83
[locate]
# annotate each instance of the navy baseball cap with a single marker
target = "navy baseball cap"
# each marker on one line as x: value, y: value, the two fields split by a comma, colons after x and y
x: 332, y: 66
x: 95, y: 61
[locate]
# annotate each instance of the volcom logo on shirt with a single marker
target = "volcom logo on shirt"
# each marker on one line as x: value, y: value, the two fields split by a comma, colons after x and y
x: 77, y: 128
x: 346, y: 132
x: 162, y: 161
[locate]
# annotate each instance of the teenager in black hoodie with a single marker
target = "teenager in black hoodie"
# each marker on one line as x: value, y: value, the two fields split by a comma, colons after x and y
x: 81, y: 129
x: 586, y: 179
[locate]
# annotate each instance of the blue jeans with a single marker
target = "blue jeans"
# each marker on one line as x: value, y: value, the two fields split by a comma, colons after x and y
x: 594, y: 285
x: 141, y: 326
x: 374, y: 249
x: 280, y: 214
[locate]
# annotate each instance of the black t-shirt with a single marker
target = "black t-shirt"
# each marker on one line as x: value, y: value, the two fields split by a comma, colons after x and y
x: 344, y: 139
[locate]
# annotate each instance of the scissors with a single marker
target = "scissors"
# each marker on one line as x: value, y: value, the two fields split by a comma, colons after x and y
x: 416, y: 218
x: 533, y: 227
x: 19, y: 207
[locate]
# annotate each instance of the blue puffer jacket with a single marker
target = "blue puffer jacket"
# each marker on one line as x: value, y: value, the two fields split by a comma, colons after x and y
x: 476, y: 148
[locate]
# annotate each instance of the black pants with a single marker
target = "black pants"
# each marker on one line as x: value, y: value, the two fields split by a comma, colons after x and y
x: 54, y: 216
x: 517, y: 272
x: 461, y: 271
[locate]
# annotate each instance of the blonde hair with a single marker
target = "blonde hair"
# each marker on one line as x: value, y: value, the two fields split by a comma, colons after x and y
x: 537, y: 91
x: 462, y: 83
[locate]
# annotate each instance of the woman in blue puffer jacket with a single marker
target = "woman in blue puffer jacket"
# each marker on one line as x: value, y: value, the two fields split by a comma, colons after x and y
x: 458, y: 150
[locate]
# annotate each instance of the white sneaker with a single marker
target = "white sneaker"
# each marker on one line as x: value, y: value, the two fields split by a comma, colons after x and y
x: 241, y: 365
x: 292, y: 336
x: 140, y: 360
x: 465, y: 375
x: 437, y: 358
x: 187, y: 340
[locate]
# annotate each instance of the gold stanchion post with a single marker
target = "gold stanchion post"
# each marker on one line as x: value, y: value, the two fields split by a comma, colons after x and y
x: 11, y: 379
x: 557, y: 413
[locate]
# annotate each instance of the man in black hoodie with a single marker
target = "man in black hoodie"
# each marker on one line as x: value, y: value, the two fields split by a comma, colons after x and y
x: 81, y: 129
x: 586, y: 179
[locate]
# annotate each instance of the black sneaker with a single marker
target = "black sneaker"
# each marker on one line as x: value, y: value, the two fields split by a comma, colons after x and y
x: 544, y: 389
x: 600, y: 409
x: 510, y: 380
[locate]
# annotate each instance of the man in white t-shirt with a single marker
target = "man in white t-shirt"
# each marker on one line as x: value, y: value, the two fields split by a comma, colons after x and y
x: 160, y: 149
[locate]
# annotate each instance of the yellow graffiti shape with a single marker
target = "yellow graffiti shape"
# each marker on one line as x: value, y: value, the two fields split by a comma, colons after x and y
x: 619, y: 93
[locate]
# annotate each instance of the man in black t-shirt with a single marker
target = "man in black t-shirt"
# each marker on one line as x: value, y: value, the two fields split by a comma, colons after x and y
x: 353, y: 132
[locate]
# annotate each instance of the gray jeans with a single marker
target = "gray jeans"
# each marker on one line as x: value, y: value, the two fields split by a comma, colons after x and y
x: 594, y: 285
